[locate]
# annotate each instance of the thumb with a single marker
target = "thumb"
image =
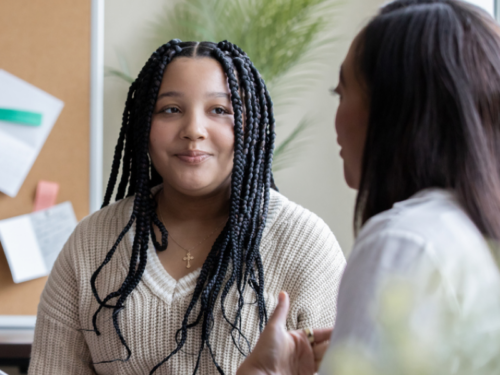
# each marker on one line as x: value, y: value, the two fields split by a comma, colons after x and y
x: 281, y: 311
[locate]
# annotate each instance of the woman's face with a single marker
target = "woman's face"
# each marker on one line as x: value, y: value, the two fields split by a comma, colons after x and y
x: 351, y: 121
x: 192, y: 138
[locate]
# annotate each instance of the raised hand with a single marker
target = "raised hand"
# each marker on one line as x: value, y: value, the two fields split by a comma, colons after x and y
x: 285, y: 353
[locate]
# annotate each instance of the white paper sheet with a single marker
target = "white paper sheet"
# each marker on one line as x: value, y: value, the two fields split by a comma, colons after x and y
x: 32, y: 242
x: 21, y: 249
x: 20, y: 144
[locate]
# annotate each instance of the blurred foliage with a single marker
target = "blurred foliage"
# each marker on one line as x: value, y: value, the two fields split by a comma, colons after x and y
x: 289, y: 42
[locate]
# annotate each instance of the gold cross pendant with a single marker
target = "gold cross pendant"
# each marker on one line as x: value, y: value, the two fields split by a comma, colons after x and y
x: 188, y: 258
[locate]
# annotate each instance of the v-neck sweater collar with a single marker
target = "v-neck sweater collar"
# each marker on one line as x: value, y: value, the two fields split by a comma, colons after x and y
x: 156, y: 276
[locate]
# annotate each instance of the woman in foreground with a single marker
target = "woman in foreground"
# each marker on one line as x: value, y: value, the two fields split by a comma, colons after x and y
x: 179, y: 274
x: 419, y: 126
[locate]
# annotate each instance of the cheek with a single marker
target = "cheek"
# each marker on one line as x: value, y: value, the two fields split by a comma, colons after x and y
x: 154, y: 140
x: 159, y: 137
x: 340, y: 121
x: 351, y: 123
x: 223, y: 140
x: 160, y: 143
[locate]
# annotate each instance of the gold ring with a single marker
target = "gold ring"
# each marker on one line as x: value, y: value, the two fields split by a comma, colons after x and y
x: 310, y: 335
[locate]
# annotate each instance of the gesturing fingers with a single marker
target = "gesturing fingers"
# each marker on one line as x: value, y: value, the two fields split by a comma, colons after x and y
x: 318, y: 339
x: 319, y: 351
x: 322, y: 334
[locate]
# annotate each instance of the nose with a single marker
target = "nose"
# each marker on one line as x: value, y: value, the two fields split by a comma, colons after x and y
x: 194, y: 127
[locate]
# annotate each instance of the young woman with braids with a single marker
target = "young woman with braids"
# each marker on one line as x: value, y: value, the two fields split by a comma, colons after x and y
x: 180, y: 274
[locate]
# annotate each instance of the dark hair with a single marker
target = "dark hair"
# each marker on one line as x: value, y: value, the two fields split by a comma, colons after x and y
x: 432, y: 71
x: 237, y: 247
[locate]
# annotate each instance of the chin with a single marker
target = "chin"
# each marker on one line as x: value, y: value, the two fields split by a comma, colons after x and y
x: 199, y: 187
x: 352, y: 182
x: 196, y: 182
x: 195, y: 189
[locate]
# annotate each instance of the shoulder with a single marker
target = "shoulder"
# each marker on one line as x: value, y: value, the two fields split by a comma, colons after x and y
x: 421, y: 214
x: 432, y: 220
x: 117, y: 211
x: 108, y: 221
x: 426, y: 234
x: 94, y: 236
x: 302, y: 256
x: 296, y: 222
x: 297, y: 237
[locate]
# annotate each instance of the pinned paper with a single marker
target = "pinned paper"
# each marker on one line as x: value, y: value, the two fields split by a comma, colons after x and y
x: 32, y: 242
x: 20, y: 145
x: 46, y: 195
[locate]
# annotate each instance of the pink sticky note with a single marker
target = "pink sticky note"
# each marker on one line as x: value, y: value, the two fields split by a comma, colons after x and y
x: 46, y: 195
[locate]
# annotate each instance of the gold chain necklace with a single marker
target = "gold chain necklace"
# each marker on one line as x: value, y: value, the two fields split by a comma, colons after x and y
x: 188, y: 258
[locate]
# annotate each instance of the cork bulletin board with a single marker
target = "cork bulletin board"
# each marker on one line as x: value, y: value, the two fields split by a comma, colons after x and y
x: 47, y: 43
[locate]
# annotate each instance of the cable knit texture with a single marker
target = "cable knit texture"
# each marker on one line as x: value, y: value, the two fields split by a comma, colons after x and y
x: 300, y: 255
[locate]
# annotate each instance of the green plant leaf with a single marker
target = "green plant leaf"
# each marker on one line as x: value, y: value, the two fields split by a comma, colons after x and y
x: 111, y: 72
x: 290, y: 148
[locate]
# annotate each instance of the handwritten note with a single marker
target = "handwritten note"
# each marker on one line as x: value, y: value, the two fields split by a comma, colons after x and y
x: 32, y: 242
x: 20, y: 145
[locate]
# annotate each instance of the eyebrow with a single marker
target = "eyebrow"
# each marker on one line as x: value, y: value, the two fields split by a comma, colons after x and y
x: 177, y: 94
x: 219, y: 95
x: 174, y: 94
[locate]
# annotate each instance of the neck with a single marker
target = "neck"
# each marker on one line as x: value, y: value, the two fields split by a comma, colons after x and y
x: 177, y: 206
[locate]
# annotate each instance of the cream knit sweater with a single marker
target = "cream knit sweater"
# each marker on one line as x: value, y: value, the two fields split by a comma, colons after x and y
x: 300, y: 255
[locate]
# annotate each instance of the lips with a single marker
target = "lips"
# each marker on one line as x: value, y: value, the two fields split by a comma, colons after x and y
x: 193, y: 156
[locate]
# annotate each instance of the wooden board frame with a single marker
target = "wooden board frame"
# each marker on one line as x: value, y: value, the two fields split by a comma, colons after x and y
x: 57, y: 46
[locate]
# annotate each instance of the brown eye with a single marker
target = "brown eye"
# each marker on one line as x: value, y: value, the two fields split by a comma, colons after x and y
x: 219, y: 111
x: 170, y: 110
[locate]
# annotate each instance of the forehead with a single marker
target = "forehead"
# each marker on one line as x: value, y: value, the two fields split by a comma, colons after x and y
x: 186, y: 74
x: 348, y: 69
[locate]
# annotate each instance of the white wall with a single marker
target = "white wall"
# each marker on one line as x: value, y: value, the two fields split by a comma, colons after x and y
x: 316, y: 181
